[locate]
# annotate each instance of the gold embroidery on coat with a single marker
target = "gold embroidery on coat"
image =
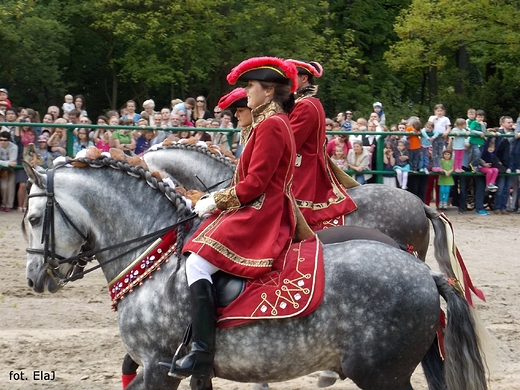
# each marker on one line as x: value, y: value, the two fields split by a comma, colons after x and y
x: 225, y: 251
x: 227, y: 199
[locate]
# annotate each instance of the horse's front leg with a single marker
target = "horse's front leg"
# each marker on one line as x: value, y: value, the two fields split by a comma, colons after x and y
x: 156, y: 378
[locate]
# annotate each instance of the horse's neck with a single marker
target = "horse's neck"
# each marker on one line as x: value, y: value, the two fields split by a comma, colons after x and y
x: 130, y: 210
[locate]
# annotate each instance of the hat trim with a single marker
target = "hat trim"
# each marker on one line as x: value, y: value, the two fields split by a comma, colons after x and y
x: 228, y: 100
x: 287, y: 69
x: 316, y: 71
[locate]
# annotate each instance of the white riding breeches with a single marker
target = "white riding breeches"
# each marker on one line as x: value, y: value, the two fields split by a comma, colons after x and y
x: 199, y: 268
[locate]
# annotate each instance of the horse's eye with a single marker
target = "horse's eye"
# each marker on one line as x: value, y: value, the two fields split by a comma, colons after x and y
x: 34, y: 221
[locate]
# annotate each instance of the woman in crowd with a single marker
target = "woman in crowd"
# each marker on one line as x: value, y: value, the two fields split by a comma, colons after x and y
x: 23, y: 136
x: 201, y: 110
x: 358, y: 159
x: 80, y: 105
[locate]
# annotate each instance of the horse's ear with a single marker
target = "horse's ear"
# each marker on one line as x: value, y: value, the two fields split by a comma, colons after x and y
x: 35, y: 177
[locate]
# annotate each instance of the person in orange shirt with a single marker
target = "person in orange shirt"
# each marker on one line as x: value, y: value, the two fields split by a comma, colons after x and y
x: 414, y: 148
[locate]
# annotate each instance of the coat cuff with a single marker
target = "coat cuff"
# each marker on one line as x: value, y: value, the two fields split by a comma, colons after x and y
x: 227, y: 199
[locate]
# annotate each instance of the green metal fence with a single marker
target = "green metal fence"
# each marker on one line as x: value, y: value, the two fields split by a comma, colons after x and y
x: 378, y: 172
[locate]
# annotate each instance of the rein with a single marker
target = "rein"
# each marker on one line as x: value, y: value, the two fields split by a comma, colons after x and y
x: 52, y: 261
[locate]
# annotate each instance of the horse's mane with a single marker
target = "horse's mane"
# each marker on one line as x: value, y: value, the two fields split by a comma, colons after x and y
x: 140, y: 172
x: 199, y: 149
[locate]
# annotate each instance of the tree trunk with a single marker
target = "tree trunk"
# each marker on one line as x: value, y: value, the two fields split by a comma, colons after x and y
x: 432, y: 84
x: 463, y: 66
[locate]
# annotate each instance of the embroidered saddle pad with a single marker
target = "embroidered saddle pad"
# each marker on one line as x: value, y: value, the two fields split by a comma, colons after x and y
x: 294, y: 288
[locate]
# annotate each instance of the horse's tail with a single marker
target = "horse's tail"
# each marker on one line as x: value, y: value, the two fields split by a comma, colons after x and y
x: 448, y: 256
x: 440, y: 242
x: 464, y: 366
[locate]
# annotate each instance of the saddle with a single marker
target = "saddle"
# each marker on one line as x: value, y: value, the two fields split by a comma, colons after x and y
x: 228, y: 287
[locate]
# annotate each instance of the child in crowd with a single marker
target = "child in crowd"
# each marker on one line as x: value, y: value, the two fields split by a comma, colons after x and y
x: 378, y: 109
x: 58, y: 140
x: 486, y: 162
x: 43, y: 150
x: 339, y: 157
x: 459, y: 144
x: 414, y: 142
x: 104, y: 143
x: 426, y: 147
x: 472, y: 114
x: 478, y: 129
x: 401, y: 166
x: 446, y: 179
x: 389, y: 162
x: 68, y: 105
x: 441, y: 126
x: 123, y: 138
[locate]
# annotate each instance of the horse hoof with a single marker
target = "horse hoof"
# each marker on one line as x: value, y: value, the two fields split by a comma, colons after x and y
x: 260, y: 386
x: 327, y: 378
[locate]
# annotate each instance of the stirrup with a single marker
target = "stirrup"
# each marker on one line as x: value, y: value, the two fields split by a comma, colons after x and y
x: 182, y: 350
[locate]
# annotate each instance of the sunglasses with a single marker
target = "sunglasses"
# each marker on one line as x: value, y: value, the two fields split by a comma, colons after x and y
x: 200, y: 101
x: 349, y: 113
x: 3, y: 140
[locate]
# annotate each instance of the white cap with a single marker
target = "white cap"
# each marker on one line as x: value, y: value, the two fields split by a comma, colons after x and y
x: 378, y: 104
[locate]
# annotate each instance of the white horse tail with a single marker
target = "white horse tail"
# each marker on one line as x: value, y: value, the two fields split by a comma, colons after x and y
x: 464, y: 366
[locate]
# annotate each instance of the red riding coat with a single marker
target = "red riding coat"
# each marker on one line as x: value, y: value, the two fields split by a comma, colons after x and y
x: 255, y: 220
x: 318, y: 186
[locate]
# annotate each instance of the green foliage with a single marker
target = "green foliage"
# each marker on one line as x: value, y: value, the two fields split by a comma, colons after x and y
x: 371, y: 50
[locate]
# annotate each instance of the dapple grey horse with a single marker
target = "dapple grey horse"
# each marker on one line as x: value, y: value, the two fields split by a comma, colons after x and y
x: 377, y: 321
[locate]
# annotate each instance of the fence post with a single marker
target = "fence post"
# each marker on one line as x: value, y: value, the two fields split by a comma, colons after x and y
x: 380, y: 166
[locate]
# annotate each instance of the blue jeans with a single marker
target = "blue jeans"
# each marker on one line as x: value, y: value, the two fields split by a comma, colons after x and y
x: 475, y: 155
x: 424, y: 161
x: 360, y: 179
x: 438, y: 147
x: 413, y: 159
x: 480, y: 191
x: 502, y: 195
x: 515, y: 155
x: 444, y: 193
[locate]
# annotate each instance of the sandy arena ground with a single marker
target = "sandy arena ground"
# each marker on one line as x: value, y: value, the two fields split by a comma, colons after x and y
x: 74, y: 332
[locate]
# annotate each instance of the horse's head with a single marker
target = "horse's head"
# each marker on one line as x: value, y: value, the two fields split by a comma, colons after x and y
x: 51, y: 233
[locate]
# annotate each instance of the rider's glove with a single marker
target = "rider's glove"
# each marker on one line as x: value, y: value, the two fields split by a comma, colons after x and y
x: 205, y: 205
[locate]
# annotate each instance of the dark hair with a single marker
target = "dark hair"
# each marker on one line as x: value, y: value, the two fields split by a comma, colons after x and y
x: 83, y: 104
x: 191, y: 101
x: 481, y: 113
x: 282, y: 95
x: 75, y: 112
x: 226, y: 112
x: 417, y: 125
x: 102, y: 117
x: 6, y: 135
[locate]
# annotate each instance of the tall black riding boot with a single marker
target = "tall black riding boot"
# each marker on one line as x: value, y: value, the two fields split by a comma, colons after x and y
x: 199, y: 362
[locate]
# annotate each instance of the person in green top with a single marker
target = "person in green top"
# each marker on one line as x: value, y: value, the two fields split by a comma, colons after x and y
x: 445, y: 179
x: 123, y: 138
x: 477, y: 127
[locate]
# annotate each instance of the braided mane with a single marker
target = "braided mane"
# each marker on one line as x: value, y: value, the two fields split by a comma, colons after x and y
x: 199, y: 149
x: 138, y: 171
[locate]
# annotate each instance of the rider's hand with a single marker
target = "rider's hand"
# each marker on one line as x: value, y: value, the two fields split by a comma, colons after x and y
x: 205, y: 205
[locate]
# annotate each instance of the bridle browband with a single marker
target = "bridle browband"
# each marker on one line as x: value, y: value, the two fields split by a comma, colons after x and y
x: 52, y: 261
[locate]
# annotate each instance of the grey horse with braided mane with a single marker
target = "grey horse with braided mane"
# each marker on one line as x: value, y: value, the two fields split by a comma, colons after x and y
x: 377, y: 321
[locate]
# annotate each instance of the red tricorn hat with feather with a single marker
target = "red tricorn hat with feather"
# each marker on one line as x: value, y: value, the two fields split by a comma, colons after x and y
x: 311, y: 68
x: 270, y: 69
x: 235, y: 99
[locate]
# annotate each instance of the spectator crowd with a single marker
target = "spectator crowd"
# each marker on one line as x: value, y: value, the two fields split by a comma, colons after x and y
x: 430, y: 159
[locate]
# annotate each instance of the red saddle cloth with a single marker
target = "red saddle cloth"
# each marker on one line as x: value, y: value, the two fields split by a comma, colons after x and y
x: 294, y: 288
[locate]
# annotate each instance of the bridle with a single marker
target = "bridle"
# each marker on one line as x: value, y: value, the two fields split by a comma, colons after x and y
x: 52, y: 260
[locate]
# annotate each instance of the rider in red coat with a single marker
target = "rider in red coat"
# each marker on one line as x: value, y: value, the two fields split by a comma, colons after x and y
x: 253, y: 221
x: 319, y: 186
